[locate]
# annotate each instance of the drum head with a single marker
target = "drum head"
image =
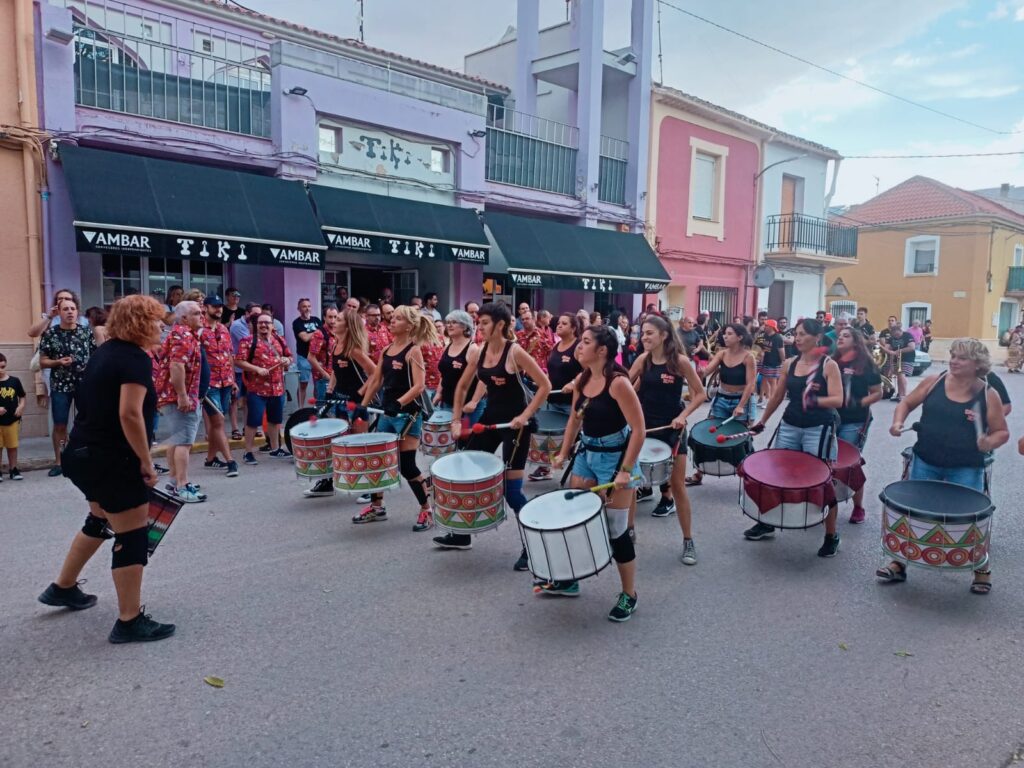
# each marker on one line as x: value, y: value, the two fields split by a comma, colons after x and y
x: 654, y: 451
x: 936, y: 501
x: 848, y: 455
x: 785, y: 468
x: 321, y: 428
x: 440, y: 417
x: 367, y: 438
x: 551, y: 421
x: 467, y: 466
x: 701, y: 432
x: 558, y: 510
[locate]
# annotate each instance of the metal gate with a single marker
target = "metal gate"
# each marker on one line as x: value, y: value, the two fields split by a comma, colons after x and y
x: 718, y: 302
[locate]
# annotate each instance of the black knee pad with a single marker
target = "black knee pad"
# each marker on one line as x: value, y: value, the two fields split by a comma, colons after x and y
x: 407, y: 465
x: 664, y: 488
x: 131, y: 548
x: 623, y: 550
x: 96, y: 528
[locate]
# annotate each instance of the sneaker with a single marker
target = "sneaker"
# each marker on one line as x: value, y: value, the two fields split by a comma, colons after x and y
x: 425, y: 520
x: 644, y: 493
x: 689, y: 556
x: 454, y: 541
x: 16, y: 474
x: 281, y: 453
x: 624, y: 608
x: 189, y: 494
x: 523, y: 563
x: 857, y: 516
x: 265, y: 448
x: 323, y: 487
x: 141, y: 629
x: 364, y: 499
x: 540, y: 473
x: 215, y: 463
x: 54, y: 472
x: 830, y: 547
x: 249, y: 458
x: 759, y: 531
x: 67, y: 597
x: 370, y: 515
x: 664, y: 508
x: 161, y: 469
x: 232, y: 469
x: 560, y: 589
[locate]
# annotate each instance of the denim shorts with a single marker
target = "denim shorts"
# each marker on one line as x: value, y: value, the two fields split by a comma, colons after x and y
x: 256, y: 405
x: 221, y: 397
x: 396, y: 424
x: 808, y: 440
x: 60, y: 406
x: 972, y: 477
x: 602, y: 466
x: 320, y: 389
x: 182, y: 425
x: 305, y: 370
x: 476, y: 415
x: 240, y: 381
x: 854, y: 432
x: 724, y: 405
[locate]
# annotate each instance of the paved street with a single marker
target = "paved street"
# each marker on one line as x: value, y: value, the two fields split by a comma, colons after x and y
x: 364, y: 646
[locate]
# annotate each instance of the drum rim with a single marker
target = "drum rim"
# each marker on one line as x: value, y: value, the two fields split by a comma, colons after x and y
x: 382, y: 438
x: 600, y: 509
x: 490, y: 456
x: 541, y: 430
x: 320, y: 422
x: 937, y: 517
x: 788, y: 450
x: 694, y: 432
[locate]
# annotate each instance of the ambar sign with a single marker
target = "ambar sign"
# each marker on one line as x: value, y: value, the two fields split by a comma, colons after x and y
x: 408, y: 247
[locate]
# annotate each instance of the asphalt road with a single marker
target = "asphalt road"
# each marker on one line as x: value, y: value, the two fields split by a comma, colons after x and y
x: 364, y: 646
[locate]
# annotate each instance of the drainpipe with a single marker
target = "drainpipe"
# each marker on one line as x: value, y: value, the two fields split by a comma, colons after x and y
x: 832, y: 188
x: 23, y: 48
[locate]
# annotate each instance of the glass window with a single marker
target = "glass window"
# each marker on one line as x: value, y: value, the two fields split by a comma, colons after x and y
x: 330, y: 139
x: 122, y: 276
x: 705, y: 176
x: 919, y: 314
x: 207, y: 276
x: 924, y: 259
x: 1018, y: 255
x: 163, y: 274
x: 440, y: 160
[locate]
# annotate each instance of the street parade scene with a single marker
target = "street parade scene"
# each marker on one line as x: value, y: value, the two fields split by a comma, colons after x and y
x: 512, y: 403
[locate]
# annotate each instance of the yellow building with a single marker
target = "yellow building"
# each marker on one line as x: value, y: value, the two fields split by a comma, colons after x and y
x: 929, y: 251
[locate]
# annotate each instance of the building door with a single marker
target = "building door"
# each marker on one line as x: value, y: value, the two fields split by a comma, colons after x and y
x: 777, y: 299
x: 335, y: 286
x: 787, y: 226
x: 405, y: 285
x: 1008, y: 314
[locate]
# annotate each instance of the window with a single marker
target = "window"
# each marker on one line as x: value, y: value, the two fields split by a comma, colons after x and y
x: 704, y: 175
x: 440, y: 160
x: 330, y: 139
x: 719, y: 303
x: 207, y: 276
x: 122, y: 275
x: 921, y: 256
x: 163, y: 274
x: 706, y: 214
x: 1018, y: 255
x: 915, y: 310
x: 838, y: 307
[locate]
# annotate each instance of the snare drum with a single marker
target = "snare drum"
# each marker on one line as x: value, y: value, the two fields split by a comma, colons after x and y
x: 436, y: 439
x: 366, y: 463
x: 655, y: 462
x: 469, y: 491
x: 311, y: 446
x: 847, y: 471
x: 163, y: 509
x: 785, y: 488
x: 566, y: 535
x: 546, y: 442
x: 712, y: 457
x: 908, y: 458
x: 936, y: 524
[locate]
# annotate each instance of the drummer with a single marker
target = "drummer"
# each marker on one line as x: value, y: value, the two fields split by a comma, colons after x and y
x: 607, y: 409
x: 460, y: 329
x: 400, y: 376
x: 659, y: 374
x: 961, y: 421
x: 498, y: 365
x: 862, y: 387
x: 737, y: 374
x: 350, y: 366
x: 563, y: 368
x: 815, y: 389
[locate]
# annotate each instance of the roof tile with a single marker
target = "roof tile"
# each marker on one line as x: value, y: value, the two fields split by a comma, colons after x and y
x: 920, y: 198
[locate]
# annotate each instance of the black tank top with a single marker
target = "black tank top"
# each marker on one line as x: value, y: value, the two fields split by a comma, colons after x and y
x: 948, y: 435
x: 660, y: 394
x: 733, y: 375
x: 451, y: 368
x: 562, y: 368
x: 396, y: 377
x: 505, y: 396
x: 348, y: 377
x: 601, y: 414
x: 795, y: 414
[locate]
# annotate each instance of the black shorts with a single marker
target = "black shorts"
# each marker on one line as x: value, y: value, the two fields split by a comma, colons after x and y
x: 512, y: 454
x: 672, y: 438
x: 114, y: 481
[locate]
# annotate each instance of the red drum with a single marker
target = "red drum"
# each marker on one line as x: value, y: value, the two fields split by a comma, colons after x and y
x: 311, y: 446
x: 785, y: 488
x: 163, y: 510
x: 437, y: 439
x: 847, y: 471
x: 469, y: 491
x: 366, y: 463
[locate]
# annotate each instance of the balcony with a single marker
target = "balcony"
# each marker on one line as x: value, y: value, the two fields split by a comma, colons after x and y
x: 796, y: 236
x: 1015, y: 282
x: 529, y: 151
x: 613, y: 163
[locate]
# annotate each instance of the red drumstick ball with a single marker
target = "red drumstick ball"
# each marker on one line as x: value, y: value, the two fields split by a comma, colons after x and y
x: 720, y: 438
x: 712, y: 429
x: 478, y: 429
x: 312, y: 419
x: 312, y: 401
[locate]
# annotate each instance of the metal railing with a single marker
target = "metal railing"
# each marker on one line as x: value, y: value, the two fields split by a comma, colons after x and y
x: 796, y: 232
x: 1015, y: 280
x: 137, y: 61
x: 611, y: 173
x: 530, y: 151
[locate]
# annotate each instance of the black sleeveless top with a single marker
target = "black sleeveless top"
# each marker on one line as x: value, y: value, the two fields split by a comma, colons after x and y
x: 348, y: 376
x: 947, y: 435
x: 795, y: 415
x: 451, y: 368
x: 733, y: 375
x: 562, y: 368
x: 601, y: 414
x: 661, y: 393
x: 505, y: 396
x: 396, y: 378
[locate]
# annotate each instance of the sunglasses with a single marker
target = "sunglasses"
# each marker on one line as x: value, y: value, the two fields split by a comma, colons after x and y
x: 263, y: 322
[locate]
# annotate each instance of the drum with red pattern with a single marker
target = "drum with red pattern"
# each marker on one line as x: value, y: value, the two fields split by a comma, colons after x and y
x: 546, y: 441
x: 469, y: 492
x: 847, y: 471
x: 436, y: 439
x: 366, y: 463
x: 311, y: 445
x: 785, y: 488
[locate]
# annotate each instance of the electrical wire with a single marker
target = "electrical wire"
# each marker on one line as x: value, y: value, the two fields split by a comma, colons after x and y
x: 923, y: 157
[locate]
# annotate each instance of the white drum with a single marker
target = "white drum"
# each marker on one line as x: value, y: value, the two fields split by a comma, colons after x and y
x: 655, y: 462
x: 566, y: 535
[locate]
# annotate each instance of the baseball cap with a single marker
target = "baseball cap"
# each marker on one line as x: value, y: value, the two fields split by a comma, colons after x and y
x: 213, y: 301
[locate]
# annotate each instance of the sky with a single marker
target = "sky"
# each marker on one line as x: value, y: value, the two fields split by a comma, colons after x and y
x: 959, y: 57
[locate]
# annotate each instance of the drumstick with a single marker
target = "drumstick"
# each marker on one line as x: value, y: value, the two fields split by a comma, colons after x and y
x: 594, y: 489
x: 723, y: 438
x: 479, y: 429
x: 912, y: 428
x: 658, y: 429
x: 369, y: 409
x: 213, y: 405
x: 727, y: 420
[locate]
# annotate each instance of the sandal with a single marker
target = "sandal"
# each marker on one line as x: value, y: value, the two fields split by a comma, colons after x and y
x: 893, y: 572
x: 236, y: 435
x: 693, y: 480
x: 982, y: 587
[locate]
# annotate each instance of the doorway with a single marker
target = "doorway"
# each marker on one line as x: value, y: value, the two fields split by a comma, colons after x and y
x: 370, y: 283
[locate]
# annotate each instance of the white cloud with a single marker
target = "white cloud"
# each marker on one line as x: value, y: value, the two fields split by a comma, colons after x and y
x: 989, y: 92
x: 967, y: 50
x: 909, y: 61
x: 1001, y: 11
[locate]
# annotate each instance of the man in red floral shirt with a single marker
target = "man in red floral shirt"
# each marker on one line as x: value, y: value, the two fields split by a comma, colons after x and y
x: 377, y: 334
x: 263, y: 361
x: 178, y: 396
x: 220, y: 357
x: 320, y: 345
x: 534, y: 340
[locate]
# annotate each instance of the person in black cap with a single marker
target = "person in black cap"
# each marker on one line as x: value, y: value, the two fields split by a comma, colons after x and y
x: 220, y: 357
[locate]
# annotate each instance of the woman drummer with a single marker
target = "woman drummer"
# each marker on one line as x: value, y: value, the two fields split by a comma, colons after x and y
x: 563, y: 368
x: 659, y: 373
x: 815, y: 389
x: 737, y: 374
x: 460, y: 329
x: 961, y: 421
x: 400, y: 376
x: 497, y: 365
x: 607, y: 410
x: 862, y: 387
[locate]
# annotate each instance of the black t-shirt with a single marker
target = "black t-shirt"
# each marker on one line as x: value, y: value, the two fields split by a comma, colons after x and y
x: 856, y: 386
x: 304, y: 326
x: 897, y: 341
x: 98, y: 423
x: 690, y: 339
x: 11, y: 392
x: 993, y: 381
x: 228, y: 316
x: 774, y: 349
x: 867, y: 329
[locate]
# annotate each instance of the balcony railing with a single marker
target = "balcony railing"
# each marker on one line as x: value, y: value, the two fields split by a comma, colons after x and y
x: 613, y: 163
x: 1015, y: 280
x: 529, y: 151
x: 798, y: 233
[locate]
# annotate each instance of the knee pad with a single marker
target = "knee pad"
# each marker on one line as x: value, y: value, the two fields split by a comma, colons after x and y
x: 622, y: 549
x: 514, y: 494
x: 407, y: 465
x: 618, y: 522
x: 96, y: 528
x: 131, y: 548
x: 664, y: 488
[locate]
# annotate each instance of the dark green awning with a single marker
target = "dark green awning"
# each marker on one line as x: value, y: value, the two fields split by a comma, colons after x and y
x: 393, y: 226
x: 547, y: 254
x: 149, y: 207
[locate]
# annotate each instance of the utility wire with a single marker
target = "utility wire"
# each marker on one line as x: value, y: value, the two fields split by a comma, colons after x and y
x: 835, y: 73
x: 919, y: 157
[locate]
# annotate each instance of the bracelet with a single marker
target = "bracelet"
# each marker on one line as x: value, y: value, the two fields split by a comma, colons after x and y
x: 627, y: 470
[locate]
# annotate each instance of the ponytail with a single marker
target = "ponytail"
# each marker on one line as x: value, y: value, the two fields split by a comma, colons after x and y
x: 422, y: 330
x: 604, y: 336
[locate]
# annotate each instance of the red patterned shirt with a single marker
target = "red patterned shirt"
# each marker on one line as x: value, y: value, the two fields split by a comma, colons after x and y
x: 536, y: 344
x: 266, y: 354
x: 378, y: 339
x: 431, y: 357
x: 220, y: 356
x: 180, y: 346
x: 320, y: 349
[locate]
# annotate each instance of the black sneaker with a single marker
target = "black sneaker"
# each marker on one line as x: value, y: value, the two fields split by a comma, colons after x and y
x: 265, y: 448
x: 215, y: 463
x: 161, y: 470
x: 67, y: 597
x: 759, y: 531
x: 830, y: 547
x: 642, y: 494
x: 232, y: 469
x: 323, y: 487
x: 281, y: 453
x: 141, y: 629
x: 664, y: 508
x: 249, y: 458
x: 16, y: 474
x: 454, y: 541
x: 540, y: 473
x: 55, y: 472
x: 624, y: 608
x: 523, y: 563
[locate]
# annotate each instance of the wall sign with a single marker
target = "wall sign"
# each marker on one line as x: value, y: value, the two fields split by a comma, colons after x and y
x: 388, y: 154
x: 591, y: 283
x: 387, y: 245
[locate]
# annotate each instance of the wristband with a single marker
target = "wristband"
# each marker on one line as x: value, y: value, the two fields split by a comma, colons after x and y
x: 627, y: 470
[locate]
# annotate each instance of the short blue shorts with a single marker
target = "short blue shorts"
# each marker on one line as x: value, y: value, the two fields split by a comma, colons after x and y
x: 854, y: 432
x: 808, y: 440
x: 397, y: 423
x: 256, y: 405
x: 221, y: 397
x: 601, y: 466
x: 305, y: 370
x: 724, y: 405
x: 972, y: 477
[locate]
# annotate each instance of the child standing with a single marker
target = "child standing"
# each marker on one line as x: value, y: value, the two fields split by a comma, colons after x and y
x: 12, y: 404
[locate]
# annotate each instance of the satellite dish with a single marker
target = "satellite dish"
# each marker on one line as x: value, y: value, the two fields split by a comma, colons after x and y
x: 764, y: 276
